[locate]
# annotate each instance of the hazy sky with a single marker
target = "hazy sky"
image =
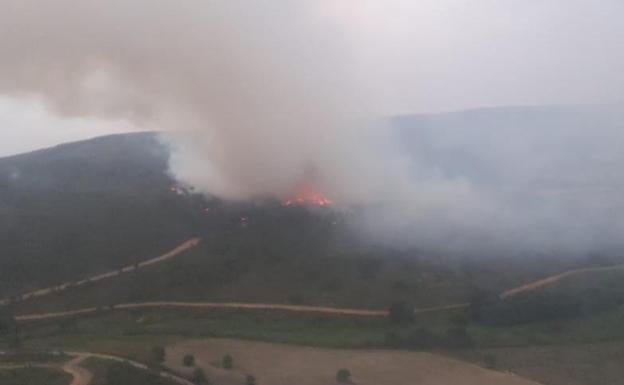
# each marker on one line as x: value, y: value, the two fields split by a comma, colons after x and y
x: 429, y: 56
x: 261, y: 97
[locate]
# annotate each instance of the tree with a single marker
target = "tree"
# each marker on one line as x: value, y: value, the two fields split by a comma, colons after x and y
x: 188, y: 360
x: 421, y: 338
x: 10, y: 330
x: 490, y: 361
x: 199, y: 377
x: 458, y: 337
x: 400, y: 312
x: 343, y: 376
x: 480, y: 301
x: 158, y: 354
x: 227, y: 362
x: 250, y: 380
x: 392, y: 339
x: 6, y: 323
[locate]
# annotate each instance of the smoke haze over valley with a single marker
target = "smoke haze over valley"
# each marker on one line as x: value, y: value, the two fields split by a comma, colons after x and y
x: 256, y: 101
x: 311, y: 192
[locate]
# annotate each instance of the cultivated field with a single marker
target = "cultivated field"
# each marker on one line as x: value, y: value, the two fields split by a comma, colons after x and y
x: 277, y: 364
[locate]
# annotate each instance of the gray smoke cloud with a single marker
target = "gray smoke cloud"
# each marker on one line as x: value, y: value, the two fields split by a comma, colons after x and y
x: 254, y: 95
x: 260, y: 97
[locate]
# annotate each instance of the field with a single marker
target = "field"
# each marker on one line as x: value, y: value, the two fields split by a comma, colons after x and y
x: 573, y: 364
x: 113, y: 373
x: 33, y: 376
x: 581, y: 350
x: 75, y: 224
x: 284, y: 365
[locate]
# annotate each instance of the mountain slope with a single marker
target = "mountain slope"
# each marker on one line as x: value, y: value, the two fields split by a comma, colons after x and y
x: 85, y: 207
x: 89, y: 207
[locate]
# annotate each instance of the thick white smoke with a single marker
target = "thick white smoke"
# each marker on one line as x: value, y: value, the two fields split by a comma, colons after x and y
x: 258, y: 97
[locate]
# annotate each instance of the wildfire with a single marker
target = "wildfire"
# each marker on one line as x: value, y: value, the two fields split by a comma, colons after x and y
x: 306, y: 195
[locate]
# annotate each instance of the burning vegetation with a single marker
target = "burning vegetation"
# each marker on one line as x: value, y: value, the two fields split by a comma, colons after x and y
x: 307, y: 195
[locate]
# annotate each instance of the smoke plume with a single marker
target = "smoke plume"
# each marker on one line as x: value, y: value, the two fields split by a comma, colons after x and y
x: 256, y: 97
x: 260, y: 97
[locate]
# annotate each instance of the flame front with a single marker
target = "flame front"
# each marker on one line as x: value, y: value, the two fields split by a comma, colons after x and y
x: 307, y: 195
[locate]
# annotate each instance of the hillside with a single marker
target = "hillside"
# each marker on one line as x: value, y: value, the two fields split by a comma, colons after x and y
x: 89, y: 207
x: 85, y: 207
x: 107, y: 207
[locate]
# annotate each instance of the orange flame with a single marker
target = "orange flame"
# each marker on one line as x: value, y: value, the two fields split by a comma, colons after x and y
x: 307, y: 195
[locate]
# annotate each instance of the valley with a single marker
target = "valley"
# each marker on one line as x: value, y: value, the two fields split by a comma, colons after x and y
x: 263, y: 280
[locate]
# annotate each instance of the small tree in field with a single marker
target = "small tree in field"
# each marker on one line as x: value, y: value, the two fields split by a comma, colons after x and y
x: 188, y: 360
x: 158, y: 354
x: 343, y: 376
x: 199, y: 377
x: 400, y: 312
x: 227, y: 362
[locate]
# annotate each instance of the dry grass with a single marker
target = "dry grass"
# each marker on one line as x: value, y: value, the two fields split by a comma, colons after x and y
x: 276, y: 364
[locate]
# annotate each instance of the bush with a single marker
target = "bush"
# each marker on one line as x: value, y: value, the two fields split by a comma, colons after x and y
x: 227, y: 362
x: 392, y: 340
x: 199, y: 377
x: 490, y: 361
x: 400, y: 312
x: 158, y: 354
x: 421, y: 338
x: 123, y: 374
x: 188, y: 360
x: 250, y: 380
x: 343, y: 376
x: 458, y: 337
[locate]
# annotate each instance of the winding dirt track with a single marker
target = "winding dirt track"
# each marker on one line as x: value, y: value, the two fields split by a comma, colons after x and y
x: 81, y: 356
x: 536, y: 285
x: 189, y: 244
x: 231, y: 305
x: 81, y: 375
x: 541, y: 283
x: 206, y: 305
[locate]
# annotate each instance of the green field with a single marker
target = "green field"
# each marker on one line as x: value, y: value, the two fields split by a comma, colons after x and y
x: 34, y: 376
x: 113, y: 373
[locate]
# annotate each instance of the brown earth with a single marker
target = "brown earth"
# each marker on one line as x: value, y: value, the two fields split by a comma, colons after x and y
x: 276, y: 364
x: 81, y: 375
x: 539, y: 284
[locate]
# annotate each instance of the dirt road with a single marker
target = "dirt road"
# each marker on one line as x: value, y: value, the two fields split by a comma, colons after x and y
x: 205, y: 305
x: 81, y: 356
x: 541, y: 283
x: 231, y: 305
x: 189, y: 244
x: 81, y: 375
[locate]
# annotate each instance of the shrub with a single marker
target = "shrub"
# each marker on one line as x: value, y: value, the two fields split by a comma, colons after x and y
x: 158, y: 354
x: 400, y: 312
x: 343, y: 376
x: 188, y: 360
x: 421, y: 338
x: 250, y: 380
x: 458, y: 337
x: 490, y: 361
x: 392, y: 339
x: 199, y: 377
x: 227, y: 362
